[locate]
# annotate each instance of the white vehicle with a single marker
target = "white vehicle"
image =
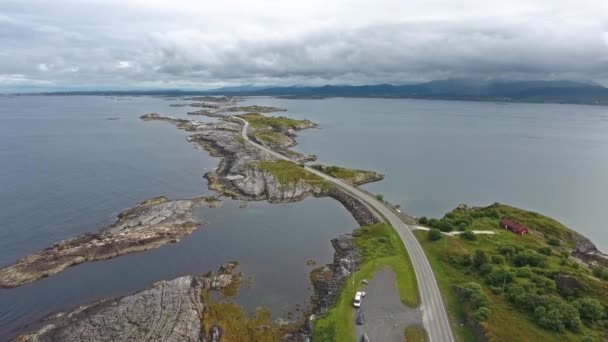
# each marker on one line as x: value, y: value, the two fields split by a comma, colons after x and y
x: 357, y: 302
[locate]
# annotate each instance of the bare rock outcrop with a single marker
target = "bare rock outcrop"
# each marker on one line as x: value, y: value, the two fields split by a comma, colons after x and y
x: 328, y: 279
x: 150, y: 224
x: 168, y: 311
x: 238, y: 174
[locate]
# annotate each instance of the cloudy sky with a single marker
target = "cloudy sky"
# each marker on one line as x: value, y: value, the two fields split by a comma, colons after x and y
x: 121, y: 44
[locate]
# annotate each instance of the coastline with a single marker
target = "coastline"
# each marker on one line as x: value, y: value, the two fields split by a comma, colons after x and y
x: 216, y: 139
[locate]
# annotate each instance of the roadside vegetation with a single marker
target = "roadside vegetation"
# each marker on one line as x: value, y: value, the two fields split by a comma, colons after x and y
x: 352, y: 176
x: 514, y: 287
x: 380, y: 246
x: 274, y: 140
x: 415, y: 334
x: 288, y: 173
x: 236, y: 325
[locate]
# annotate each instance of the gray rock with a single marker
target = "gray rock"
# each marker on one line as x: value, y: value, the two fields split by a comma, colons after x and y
x: 169, y: 311
x: 150, y: 224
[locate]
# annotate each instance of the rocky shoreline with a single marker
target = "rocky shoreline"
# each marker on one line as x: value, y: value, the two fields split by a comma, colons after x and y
x: 170, y: 310
x: 244, y: 173
x: 149, y: 225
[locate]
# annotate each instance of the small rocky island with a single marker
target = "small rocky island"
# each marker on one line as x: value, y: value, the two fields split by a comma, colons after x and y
x: 248, y: 173
x: 150, y: 224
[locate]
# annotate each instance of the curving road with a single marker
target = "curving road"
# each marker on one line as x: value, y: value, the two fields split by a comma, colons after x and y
x: 434, y: 316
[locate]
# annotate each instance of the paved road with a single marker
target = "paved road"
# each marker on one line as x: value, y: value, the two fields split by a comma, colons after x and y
x: 385, y: 316
x: 434, y: 314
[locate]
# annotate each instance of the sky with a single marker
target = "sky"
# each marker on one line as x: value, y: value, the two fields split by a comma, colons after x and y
x: 203, y: 44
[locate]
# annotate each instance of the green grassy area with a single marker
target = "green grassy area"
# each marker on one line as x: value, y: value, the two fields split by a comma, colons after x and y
x: 380, y: 247
x: 415, y: 334
x: 528, y: 287
x: 255, y: 109
x: 288, y: 173
x: 278, y: 123
x: 352, y: 176
x: 237, y: 325
x: 274, y: 140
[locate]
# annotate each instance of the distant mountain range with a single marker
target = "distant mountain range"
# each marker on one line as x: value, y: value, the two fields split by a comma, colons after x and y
x: 452, y: 89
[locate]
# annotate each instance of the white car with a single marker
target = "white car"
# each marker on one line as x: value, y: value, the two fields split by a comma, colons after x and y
x: 358, y: 296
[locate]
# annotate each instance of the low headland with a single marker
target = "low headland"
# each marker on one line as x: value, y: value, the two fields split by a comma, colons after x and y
x: 547, y: 285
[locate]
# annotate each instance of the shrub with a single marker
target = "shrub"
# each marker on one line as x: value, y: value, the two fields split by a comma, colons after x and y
x: 498, y: 259
x: 469, y: 235
x: 555, y: 314
x: 523, y: 272
x: 466, y: 260
x: 482, y: 314
x: 433, y: 222
x: 509, y: 249
x: 529, y: 258
x: 543, y: 282
x: 492, y: 213
x: 500, y: 277
x: 423, y: 220
x: 545, y: 251
x: 601, y: 272
x: 485, y: 269
x: 380, y: 197
x: 554, y: 242
x: 590, y: 309
x: 479, y: 258
x: 474, y: 295
x: 434, y: 234
x: 444, y: 226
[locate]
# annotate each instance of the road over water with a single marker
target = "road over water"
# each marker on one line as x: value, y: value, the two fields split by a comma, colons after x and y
x: 434, y: 316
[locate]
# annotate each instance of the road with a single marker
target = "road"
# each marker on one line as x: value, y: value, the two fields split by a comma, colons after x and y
x: 434, y: 315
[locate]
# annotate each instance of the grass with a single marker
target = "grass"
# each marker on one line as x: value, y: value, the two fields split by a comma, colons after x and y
x: 274, y: 140
x: 288, y: 173
x: 380, y: 247
x: 255, y: 109
x: 278, y: 123
x: 236, y: 324
x: 352, y: 176
x: 506, y: 321
x: 415, y: 334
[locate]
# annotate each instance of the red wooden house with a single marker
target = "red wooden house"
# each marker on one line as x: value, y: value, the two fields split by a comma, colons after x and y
x: 513, y: 226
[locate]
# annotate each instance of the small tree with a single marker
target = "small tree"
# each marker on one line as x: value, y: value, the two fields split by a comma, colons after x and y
x: 423, y: 220
x: 482, y: 314
x: 468, y: 235
x: 380, y: 197
x: 498, y: 259
x: 601, y: 272
x: 480, y: 258
x: 590, y: 309
x: 434, y: 234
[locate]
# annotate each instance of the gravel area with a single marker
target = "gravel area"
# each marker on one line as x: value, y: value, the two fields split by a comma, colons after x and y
x: 385, y: 316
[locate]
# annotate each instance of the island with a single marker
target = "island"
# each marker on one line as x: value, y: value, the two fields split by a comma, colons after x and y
x: 151, y: 224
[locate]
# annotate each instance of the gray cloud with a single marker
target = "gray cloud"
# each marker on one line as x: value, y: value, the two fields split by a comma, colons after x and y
x: 126, y: 44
